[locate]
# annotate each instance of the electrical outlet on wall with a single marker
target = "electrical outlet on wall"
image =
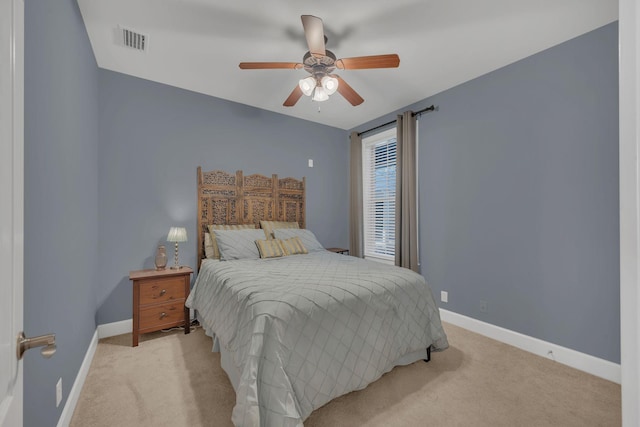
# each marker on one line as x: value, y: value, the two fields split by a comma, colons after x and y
x: 58, y: 392
x: 444, y: 296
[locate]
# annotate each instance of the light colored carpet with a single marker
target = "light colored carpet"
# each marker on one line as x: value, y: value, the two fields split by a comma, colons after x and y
x: 173, y: 379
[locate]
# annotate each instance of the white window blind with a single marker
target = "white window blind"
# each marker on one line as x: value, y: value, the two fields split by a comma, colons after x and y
x: 379, y: 195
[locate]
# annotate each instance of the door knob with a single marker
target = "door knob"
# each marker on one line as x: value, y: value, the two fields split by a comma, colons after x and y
x: 46, y: 341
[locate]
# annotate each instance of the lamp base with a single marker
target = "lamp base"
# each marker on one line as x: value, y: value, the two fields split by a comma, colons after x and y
x: 175, y: 265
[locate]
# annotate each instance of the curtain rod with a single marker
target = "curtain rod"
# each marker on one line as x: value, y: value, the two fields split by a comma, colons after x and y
x: 417, y: 113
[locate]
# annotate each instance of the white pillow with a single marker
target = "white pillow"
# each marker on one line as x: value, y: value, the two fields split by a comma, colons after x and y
x: 238, y: 244
x: 308, y: 238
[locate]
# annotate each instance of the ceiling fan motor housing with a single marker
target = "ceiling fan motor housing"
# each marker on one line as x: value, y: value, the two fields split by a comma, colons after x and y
x: 319, y: 66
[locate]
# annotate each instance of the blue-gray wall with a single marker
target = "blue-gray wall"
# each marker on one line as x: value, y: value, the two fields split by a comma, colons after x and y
x: 61, y: 201
x: 152, y: 139
x: 519, y: 195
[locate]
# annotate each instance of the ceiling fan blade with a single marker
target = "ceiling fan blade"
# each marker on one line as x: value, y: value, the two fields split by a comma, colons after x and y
x: 270, y: 65
x: 294, y: 97
x: 347, y: 92
x: 363, y: 62
x: 314, y: 32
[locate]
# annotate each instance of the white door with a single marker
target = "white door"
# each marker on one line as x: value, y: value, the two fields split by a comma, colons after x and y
x: 11, y: 207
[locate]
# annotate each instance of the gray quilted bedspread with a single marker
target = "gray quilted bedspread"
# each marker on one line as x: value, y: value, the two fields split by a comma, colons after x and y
x: 305, y: 329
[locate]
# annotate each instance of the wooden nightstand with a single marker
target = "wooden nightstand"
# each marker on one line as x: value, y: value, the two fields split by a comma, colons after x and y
x: 158, y: 300
x: 339, y: 250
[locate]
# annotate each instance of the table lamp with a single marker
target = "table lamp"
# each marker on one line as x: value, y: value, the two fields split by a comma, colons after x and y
x: 176, y: 235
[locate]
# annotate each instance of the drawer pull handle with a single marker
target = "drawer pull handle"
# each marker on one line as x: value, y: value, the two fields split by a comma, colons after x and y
x: 162, y: 292
x: 163, y: 315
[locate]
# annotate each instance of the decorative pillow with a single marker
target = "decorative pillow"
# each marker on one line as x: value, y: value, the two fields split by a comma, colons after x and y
x: 293, y: 246
x: 213, y: 227
x: 269, y: 226
x: 208, y: 246
x: 270, y: 248
x: 306, y: 236
x: 238, y: 244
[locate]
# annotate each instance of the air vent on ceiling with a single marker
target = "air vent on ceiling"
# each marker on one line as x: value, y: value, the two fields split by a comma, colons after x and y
x: 133, y: 39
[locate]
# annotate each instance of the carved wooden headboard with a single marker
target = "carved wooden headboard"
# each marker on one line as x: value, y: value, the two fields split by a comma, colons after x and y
x: 225, y: 198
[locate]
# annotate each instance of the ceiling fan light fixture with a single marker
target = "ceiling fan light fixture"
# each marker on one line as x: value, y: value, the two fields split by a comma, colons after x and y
x: 320, y: 94
x: 330, y: 84
x: 307, y: 85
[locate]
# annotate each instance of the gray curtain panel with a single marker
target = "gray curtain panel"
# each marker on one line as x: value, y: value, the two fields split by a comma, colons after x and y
x: 355, y: 196
x: 406, y: 194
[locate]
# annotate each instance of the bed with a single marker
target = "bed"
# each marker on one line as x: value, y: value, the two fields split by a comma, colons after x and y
x: 296, y: 331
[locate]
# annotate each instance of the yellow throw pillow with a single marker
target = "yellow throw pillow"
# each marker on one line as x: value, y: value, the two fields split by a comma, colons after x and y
x: 213, y: 227
x: 269, y: 226
x: 208, y: 245
x: 269, y: 248
x: 293, y: 246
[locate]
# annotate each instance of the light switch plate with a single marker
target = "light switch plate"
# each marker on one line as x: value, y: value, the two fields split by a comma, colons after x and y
x: 310, y: 163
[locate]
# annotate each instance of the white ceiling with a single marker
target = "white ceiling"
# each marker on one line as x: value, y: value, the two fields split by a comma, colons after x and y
x: 197, y: 45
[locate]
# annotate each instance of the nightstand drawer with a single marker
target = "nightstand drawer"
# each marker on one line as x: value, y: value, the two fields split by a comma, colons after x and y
x: 160, y: 290
x: 157, y: 315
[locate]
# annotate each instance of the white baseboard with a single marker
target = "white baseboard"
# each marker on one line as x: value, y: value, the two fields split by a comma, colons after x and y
x: 575, y: 359
x: 102, y: 331
x: 116, y: 328
x: 74, y: 394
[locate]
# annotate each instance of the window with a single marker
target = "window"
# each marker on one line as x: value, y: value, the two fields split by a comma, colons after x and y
x: 379, y: 195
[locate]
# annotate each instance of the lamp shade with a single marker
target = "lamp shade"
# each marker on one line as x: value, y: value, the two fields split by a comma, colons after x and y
x: 177, y: 234
x: 330, y: 84
x: 320, y: 94
x: 307, y: 85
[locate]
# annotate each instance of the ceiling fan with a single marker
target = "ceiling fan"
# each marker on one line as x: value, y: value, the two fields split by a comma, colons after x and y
x: 320, y: 63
